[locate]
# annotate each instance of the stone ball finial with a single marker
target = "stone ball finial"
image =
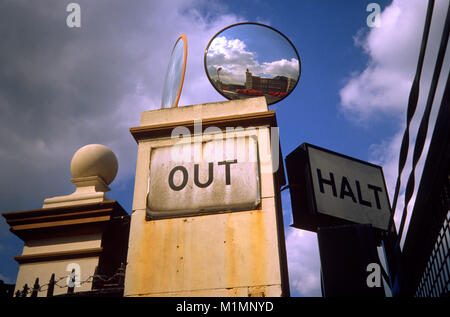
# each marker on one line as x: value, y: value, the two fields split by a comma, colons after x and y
x: 94, y: 160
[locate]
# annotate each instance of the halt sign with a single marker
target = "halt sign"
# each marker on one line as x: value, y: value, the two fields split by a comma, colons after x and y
x: 343, y: 187
x: 203, y: 177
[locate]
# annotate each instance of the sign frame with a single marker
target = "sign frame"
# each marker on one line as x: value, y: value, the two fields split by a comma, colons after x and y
x: 156, y: 215
x: 306, y: 214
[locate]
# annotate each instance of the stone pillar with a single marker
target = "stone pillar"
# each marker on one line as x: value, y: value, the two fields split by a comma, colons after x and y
x: 78, y: 231
x: 195, y: 236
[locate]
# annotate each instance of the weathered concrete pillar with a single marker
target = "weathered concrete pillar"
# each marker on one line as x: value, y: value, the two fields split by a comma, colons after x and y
x: 73, y: 233
x: 207, y: 218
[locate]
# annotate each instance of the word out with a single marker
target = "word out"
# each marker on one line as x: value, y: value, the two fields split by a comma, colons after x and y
x: 197, y: 182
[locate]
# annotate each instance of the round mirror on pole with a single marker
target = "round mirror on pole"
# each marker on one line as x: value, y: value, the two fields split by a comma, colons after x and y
x: 173, y: 81
x: 246, y: 60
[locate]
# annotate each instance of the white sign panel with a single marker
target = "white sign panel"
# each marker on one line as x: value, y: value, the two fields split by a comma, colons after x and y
x: 349, y: 189
x: 214, y: 176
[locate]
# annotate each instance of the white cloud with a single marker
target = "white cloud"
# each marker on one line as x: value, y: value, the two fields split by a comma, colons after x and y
x: 283, y: 67
x: 234, y: 58
x: 6, y: 279
x: 231, y: 55
x: 63, y: 88
x: 382, y: 89
x: 303, y: 262
x: 374, y: 91
x: 90, y: 85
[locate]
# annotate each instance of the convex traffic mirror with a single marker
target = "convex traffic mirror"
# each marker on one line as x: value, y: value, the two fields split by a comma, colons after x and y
x: 250, y: 59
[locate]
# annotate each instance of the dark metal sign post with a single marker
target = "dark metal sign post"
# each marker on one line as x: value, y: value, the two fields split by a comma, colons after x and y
x: 349, y: 261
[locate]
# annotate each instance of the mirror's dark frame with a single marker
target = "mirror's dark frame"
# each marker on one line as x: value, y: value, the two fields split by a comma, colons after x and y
x: 263, y: 25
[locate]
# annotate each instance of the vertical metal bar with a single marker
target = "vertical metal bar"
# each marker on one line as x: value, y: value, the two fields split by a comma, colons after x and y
x: 34, y: 293
x: 392, y: 246
x: 71, y: 286
x: 51, y: 286
x: 412, y: 104
x: 24, y: 291
x: 423, y: 127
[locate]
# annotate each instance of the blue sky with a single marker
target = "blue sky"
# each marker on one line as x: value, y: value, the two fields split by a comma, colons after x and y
x: 64, y: 88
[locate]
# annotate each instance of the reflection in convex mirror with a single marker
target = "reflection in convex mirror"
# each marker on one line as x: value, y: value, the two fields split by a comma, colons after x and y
x: 250, y: 59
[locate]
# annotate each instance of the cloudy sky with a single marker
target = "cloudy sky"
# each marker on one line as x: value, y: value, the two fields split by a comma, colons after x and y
x: 62, y: 88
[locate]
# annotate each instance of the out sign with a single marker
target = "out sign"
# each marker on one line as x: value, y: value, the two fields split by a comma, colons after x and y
x: 348, y: 188
x: 208, y: 177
